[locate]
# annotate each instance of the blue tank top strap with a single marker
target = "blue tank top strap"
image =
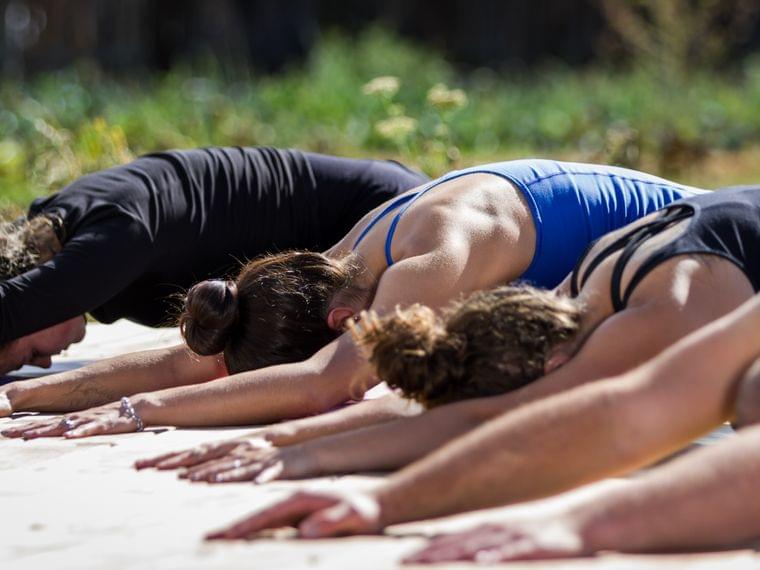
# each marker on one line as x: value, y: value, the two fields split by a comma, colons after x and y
x: 397, y: 218
x: 397, y: 203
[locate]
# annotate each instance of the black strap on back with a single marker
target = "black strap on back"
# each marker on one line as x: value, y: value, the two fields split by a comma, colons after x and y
x: 669, y: 217
x: 629, y: 243
x: 619, y: 243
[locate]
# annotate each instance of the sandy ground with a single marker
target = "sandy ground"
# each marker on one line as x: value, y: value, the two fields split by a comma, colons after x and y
x: 78, y: 504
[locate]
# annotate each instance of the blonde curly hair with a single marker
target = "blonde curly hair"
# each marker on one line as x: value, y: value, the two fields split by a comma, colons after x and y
x: 491, y: 342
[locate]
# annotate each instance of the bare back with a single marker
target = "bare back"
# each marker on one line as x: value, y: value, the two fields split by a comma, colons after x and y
x: 473, y: 232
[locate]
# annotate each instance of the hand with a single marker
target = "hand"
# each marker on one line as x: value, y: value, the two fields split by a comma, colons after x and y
x: 492, y: 543
x: 97, y: 421
x: 256, y: 439
x: 316, y: 515
x: 194, y: 456
x: 248, y: 462
x: 237, y: 460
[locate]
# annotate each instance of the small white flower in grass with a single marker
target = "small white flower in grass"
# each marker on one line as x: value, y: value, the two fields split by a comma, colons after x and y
x: 396, y: 128
x: 445, y: 99
x: 384, y: 86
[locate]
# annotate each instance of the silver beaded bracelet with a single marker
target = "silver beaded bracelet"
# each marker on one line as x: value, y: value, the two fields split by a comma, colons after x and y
x: 127, y: 410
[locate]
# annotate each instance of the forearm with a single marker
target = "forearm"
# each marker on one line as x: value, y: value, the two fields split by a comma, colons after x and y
x: 263, y: 396
x: 702, y: 500
x: 359, y: 415
x: 108, y: 380
x: 622, y: 423
x: 397, y: 443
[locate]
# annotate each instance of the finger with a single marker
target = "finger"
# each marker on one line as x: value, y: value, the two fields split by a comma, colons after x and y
x: 209, y: 470
x: 459, y: 542
x: 199, y: 456
x: 153, y: 461
x: 188, y: 459
x: 17, y: 431
x: 247, y: 473
x: 339, y: 520
x: 51, y: 429
x: 271, y: 473
x: 527, y: 548
x: 435, y: 553
x: 287, y: 513
x: 101, y: 427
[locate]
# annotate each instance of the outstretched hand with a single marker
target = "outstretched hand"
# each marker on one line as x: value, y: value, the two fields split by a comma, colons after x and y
x: 97, y: 421
x: 493, y: 543
x: 235, y: 460
x: 315, y: 515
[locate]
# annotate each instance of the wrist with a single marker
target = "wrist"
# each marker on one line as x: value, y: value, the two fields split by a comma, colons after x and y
x: 148, y: 407
x: 300, y: 462
x: 23, y: 395
x: 597, y: 527
x: 386, y: 513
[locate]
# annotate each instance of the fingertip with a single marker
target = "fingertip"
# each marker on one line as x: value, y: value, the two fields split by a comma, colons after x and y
x: 312, y: 529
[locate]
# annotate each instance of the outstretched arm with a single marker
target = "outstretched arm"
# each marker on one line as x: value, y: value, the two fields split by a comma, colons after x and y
x: 592, y: 431
x: 614, y: 348
x: 336, y: 373
x: 623, y: 423
x: 108, y: 380
x: 699, y: 501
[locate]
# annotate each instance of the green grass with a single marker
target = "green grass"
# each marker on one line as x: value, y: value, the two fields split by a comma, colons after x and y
x: 59, y: 125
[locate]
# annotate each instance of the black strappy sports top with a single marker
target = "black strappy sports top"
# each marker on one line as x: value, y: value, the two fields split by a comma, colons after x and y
x: 725, y: 223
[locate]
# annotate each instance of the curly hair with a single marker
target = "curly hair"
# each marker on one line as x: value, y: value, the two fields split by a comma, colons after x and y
x: 491, y: 342
x: 27, y: 243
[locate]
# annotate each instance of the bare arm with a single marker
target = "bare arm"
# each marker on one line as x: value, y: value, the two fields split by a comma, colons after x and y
x: 701, y: 500
x: 353, y: 417
x: 622, y: 423
x: 110, y: 379
x: 336, y: 373
x: 378, y: 447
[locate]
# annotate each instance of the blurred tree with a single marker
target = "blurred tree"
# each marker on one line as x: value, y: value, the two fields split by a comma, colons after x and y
x: 674, y: 37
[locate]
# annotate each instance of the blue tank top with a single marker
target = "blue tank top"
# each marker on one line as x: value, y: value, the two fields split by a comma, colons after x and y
x: 572, y: 205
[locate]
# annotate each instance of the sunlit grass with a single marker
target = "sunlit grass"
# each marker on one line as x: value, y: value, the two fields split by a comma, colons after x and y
x: 57, y: 126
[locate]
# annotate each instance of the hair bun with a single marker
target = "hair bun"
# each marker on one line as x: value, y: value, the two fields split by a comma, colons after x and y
x: 210, y: 315
x: 412, y: 350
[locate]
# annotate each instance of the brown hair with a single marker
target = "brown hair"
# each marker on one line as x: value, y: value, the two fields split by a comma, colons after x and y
x: 27, y: 243
x: 275, y: 311
x: 490, y: 343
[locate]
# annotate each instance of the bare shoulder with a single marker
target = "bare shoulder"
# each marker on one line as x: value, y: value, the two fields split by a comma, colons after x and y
x: 477, y: 215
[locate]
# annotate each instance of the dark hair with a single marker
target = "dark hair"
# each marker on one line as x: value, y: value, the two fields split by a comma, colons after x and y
x: 490, y: 343
x: 275, y: 311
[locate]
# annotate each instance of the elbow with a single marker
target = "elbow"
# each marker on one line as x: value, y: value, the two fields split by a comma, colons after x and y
x: 320, y: 397
x: 747, y: 407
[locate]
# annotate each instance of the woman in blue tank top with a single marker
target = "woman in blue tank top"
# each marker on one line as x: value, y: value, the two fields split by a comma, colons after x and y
x: 469, y: 230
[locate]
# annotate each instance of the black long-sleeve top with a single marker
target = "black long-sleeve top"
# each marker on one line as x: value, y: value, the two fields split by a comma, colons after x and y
x: 135, y: 235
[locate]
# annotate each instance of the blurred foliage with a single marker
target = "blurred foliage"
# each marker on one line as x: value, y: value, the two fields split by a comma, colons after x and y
x: 60, y: 125
x: 676, y: 37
